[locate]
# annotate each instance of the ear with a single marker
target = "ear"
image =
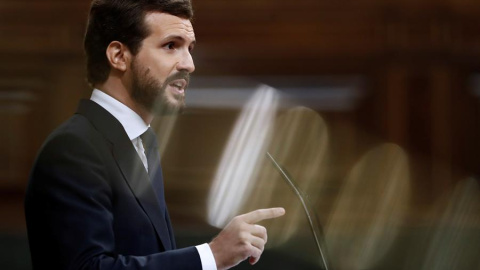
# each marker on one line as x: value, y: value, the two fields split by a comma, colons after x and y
x: 118, y: 55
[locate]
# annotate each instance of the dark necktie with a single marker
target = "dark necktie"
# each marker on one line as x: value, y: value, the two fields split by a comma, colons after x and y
x: 149, y: 140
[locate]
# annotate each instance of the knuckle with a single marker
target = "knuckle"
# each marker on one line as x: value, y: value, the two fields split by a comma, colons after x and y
x: 245, y: 251
x: 262, y: 244
x: 242, y: 226
x: 243, y: 237
x: 261, y: 211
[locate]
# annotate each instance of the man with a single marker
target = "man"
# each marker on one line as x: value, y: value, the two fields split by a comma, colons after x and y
x: 95, y: 197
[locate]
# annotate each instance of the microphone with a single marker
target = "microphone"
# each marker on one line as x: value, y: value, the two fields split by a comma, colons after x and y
x: 307, y: 207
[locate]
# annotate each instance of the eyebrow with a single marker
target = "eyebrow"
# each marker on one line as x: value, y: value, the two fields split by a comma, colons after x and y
x: 177, y: 37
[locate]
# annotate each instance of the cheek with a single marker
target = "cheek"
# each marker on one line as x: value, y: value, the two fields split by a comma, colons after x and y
x: 164, y: 63
x: 154, y: 63
x: 160, y: 64
x: 160, y: 70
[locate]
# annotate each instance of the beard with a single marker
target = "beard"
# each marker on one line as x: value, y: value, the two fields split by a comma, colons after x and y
x: 151, y: 94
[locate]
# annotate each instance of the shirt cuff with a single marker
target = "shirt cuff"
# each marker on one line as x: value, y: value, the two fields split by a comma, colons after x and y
x: 206, y: 257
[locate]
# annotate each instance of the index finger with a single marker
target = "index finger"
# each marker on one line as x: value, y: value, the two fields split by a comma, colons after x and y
x: 261, y: 214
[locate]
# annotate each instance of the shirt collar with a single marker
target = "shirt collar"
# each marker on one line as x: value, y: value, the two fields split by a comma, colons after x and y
x: 130, y: 120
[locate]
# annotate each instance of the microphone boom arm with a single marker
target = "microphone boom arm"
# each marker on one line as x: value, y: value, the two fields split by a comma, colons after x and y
x: 316, y: 230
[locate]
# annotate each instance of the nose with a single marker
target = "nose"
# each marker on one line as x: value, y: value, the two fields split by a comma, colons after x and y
x: 186, y: 63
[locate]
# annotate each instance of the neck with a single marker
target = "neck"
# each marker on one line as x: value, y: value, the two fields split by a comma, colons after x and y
x: 116, y: 88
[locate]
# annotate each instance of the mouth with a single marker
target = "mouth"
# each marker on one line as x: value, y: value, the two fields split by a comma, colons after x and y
x: 179, y: 85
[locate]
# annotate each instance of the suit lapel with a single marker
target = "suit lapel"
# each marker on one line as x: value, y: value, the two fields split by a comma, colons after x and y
x: 130, y: 165
x: 139, y: 182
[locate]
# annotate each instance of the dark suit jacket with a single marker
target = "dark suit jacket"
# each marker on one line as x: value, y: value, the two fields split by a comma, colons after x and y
x: 90, y: 204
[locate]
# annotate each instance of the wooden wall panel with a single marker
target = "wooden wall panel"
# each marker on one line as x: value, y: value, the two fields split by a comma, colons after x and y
x: 415, y: 57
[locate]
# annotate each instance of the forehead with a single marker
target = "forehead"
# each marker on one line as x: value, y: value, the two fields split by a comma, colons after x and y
x: 163, y: 24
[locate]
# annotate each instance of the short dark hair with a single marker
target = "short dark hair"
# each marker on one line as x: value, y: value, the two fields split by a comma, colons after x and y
x: 123, y: 21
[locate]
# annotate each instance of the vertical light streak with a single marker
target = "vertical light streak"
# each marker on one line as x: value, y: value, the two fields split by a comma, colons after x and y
x: 456, y: 241
x: 239, y: 164
x: 370, y: 208
x: 299, y: 142
x: 163, y: 127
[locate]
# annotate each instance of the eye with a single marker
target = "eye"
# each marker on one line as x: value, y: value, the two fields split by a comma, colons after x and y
x: 170, y: 45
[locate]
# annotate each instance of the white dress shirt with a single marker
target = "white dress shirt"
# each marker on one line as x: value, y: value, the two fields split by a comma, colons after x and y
x: 134, y: 127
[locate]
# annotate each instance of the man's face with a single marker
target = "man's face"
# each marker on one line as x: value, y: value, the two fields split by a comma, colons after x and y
x: 161, y: 68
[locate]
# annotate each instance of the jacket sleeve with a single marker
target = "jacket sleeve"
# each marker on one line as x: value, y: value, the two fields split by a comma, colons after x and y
x: 68, y: 208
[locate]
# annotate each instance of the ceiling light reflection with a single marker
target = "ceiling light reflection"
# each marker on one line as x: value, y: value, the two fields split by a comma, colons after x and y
x: 237, y: 170
x: 456, y: 240
x: 299, y: 143
x: 369, y: 209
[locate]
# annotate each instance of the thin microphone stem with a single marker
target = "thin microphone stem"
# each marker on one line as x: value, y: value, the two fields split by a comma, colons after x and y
x: 306, y: 207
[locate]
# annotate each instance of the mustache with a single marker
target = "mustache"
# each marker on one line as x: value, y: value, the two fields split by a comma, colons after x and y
x: 177, y: 76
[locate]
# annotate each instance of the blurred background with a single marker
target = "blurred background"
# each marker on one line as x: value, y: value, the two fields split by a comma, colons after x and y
x: 371, y: 106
